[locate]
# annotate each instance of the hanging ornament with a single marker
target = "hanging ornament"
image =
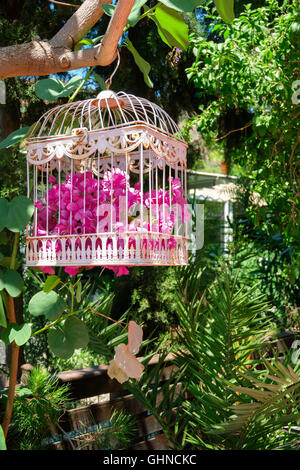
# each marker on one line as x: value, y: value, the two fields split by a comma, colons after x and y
x: 108, y: 179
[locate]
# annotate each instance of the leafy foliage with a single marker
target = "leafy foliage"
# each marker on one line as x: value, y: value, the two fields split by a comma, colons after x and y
x: 246, y: 75
x: 163, y: 398
x: 223, y: 348
x: 42, y: 404
x: 269, y: 262
x: 276, y: 405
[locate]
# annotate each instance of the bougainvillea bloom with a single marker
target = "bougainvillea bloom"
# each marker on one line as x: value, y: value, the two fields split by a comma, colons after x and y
x: 81, y: 205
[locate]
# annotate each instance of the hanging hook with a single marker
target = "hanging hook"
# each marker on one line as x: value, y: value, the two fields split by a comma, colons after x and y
x: 109, y: 80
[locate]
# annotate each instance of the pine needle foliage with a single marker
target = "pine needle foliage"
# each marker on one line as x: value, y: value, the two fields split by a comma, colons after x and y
x: 117, y: 435
x: 38, y: 407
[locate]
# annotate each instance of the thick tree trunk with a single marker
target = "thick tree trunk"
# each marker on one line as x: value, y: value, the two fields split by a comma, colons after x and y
x: 44, y: 57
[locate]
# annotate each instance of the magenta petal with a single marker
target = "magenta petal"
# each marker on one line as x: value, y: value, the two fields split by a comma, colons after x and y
x: 73, y: 207
x: 52, y: 179
x: 122, y: 271
x: 47, y: 270
x: 39, y: 204
x: 72, y: 270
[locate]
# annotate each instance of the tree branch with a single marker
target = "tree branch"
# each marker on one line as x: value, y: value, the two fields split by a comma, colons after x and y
x: 107, y: 51
x: 63, y: 3
x: 47, y: 57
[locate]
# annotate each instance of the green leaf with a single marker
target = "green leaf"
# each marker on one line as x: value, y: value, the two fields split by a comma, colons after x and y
x: 72, y: 84
x: 51, y: 88
x: 172, y: 28
x: 100, y: 80
x: 183, y: 5
x: 20, y: 334
x: 59, y: 344
x: 83, y: 42
x: 2, y: 440
x: 3, y: 212
x: 135, y: 12
x: 3, y: 321
x: 225, y: 9
x: 14, y: 138
x: 23, y: 391
x: 142, y: 64
x: 97, y: 39
x: 109, y: 9
x: 20, y: 211
x: 51, y: 283
x: 76, y: 332
x: 49, y: 304
x: 13, y: 283
x: 78, y: 292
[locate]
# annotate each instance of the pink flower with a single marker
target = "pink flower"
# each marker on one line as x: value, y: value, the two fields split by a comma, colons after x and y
x: 39, y: 204
x: 52, y: 179
x: 47, y: 270
x: 72, y: 270
x: 86, y: 204
x: 122, y: 271
x: 118, y: 270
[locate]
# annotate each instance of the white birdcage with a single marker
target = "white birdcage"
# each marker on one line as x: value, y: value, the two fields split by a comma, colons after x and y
x: 108, y: 180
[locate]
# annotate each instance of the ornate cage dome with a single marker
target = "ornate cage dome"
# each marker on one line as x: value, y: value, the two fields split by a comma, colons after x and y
x: 108, y: 180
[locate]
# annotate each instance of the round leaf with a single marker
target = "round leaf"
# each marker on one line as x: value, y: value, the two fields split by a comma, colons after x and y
x: 22, y: 334
x: 49, y: 88
x: 59, y: 344
x: 18, y: 333
x: 72, y: 84
x: 13, y: 283
x: 76, y: 332
x: 49, y: 304
x: 19, y: 213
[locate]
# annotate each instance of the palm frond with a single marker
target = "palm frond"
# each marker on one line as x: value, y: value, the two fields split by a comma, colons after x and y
x: 275, y: 406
